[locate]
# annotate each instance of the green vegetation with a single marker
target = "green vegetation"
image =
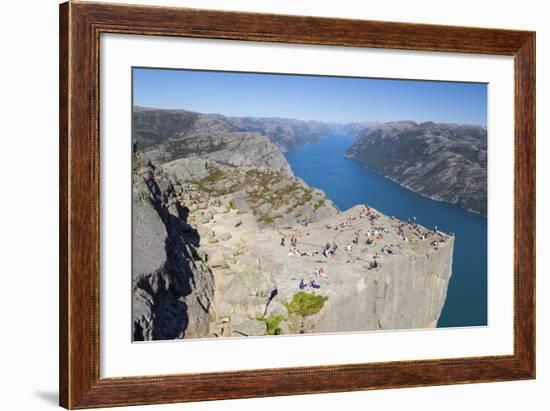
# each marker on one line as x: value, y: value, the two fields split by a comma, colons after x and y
x: 270, y: 194
x: 305, y: 304
x: 273, y: 324
x: 213, y: 176
x: 215, y: 147
x: 319, y: 204
x: 216, y: 183
x: 266, y: 218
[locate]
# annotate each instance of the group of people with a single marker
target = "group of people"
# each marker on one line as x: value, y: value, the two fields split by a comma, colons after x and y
x: 400, y: 232
x: 305, y: 222
x: 311, y: 283
x: 376, y: 234
x: 365, y: 212
x: 425, y: 235
x: 326, y: 250
x: 293, y: 241
x: 314, y: 281
x: 294, y: 251
x: 329, y: 249
x: 344, y: 224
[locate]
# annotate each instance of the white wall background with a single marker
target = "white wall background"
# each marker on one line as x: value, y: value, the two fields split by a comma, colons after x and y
x: 29, y: 190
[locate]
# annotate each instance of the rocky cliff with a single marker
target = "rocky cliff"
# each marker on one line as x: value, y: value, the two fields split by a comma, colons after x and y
x: 391, y: 283
x: 227, y: 273
x: 170, y: 131
x: 228, y: 242
x: 446, y: 162
x: 173, y: 288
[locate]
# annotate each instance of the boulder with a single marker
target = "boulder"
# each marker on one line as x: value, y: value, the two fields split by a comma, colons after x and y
x: 224, y: 236
x: 242, y: 326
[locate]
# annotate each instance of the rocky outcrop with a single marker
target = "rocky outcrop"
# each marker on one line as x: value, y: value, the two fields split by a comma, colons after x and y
x: 405, y: 289
x: 178, y: 251
x: 167, y: 135
x: 272, y: 195
x: 172, y: 287
x: 227, y: 242
x: 446, y: 162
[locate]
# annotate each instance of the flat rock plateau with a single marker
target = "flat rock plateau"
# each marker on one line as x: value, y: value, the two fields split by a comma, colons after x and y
x: 227, y: 242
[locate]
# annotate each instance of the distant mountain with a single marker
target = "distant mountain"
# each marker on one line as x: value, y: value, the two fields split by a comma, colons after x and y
x: 446, y: 162
x: 355, y: 128
x: 287, y: 134
x: 153, y: 127
x: 167, y: 135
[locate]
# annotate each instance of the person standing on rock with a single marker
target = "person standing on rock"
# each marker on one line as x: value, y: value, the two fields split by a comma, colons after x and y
x: 282, y: 241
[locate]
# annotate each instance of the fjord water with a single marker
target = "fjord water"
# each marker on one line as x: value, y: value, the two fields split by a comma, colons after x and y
x: 347, y: 183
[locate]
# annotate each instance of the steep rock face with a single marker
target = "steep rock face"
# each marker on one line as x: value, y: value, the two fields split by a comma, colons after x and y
x: 167, y: 135
x: 406, y: 290
x: 172, y: 287
x: 446, y: 162
x: 178, y: 251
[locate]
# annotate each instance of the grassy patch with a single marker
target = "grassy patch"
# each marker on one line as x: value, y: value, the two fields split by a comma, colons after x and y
x: 213, y: 176
x: 273, y: 324
x: 215, y: 147
x: 218, y: 182
x: 268, y: 192
x: 319, y: 204
x: 305, y: 304
x: 266, y: 219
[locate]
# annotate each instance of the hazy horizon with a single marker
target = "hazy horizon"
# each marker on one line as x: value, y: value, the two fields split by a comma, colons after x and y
x: 327, y: 99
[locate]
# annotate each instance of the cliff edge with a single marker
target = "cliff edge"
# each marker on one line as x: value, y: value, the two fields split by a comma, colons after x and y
x: 228, y: 242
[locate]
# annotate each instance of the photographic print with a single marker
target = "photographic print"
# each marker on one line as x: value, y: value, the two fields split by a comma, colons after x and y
x: 285, y: 204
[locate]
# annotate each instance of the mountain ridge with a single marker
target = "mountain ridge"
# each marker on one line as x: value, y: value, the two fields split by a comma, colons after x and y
x: 444, y: 161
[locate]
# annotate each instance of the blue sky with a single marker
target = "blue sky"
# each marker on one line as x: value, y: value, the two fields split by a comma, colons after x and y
x: 331, y: 99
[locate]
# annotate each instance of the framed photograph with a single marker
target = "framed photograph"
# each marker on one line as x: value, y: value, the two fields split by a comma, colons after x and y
x: 260, y: 205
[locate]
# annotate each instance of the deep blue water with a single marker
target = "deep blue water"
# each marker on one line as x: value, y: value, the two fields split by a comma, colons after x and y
x: 347, y: 183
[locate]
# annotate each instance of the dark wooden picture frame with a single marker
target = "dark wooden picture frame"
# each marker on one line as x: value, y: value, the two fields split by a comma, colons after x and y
x: 80, y: 27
